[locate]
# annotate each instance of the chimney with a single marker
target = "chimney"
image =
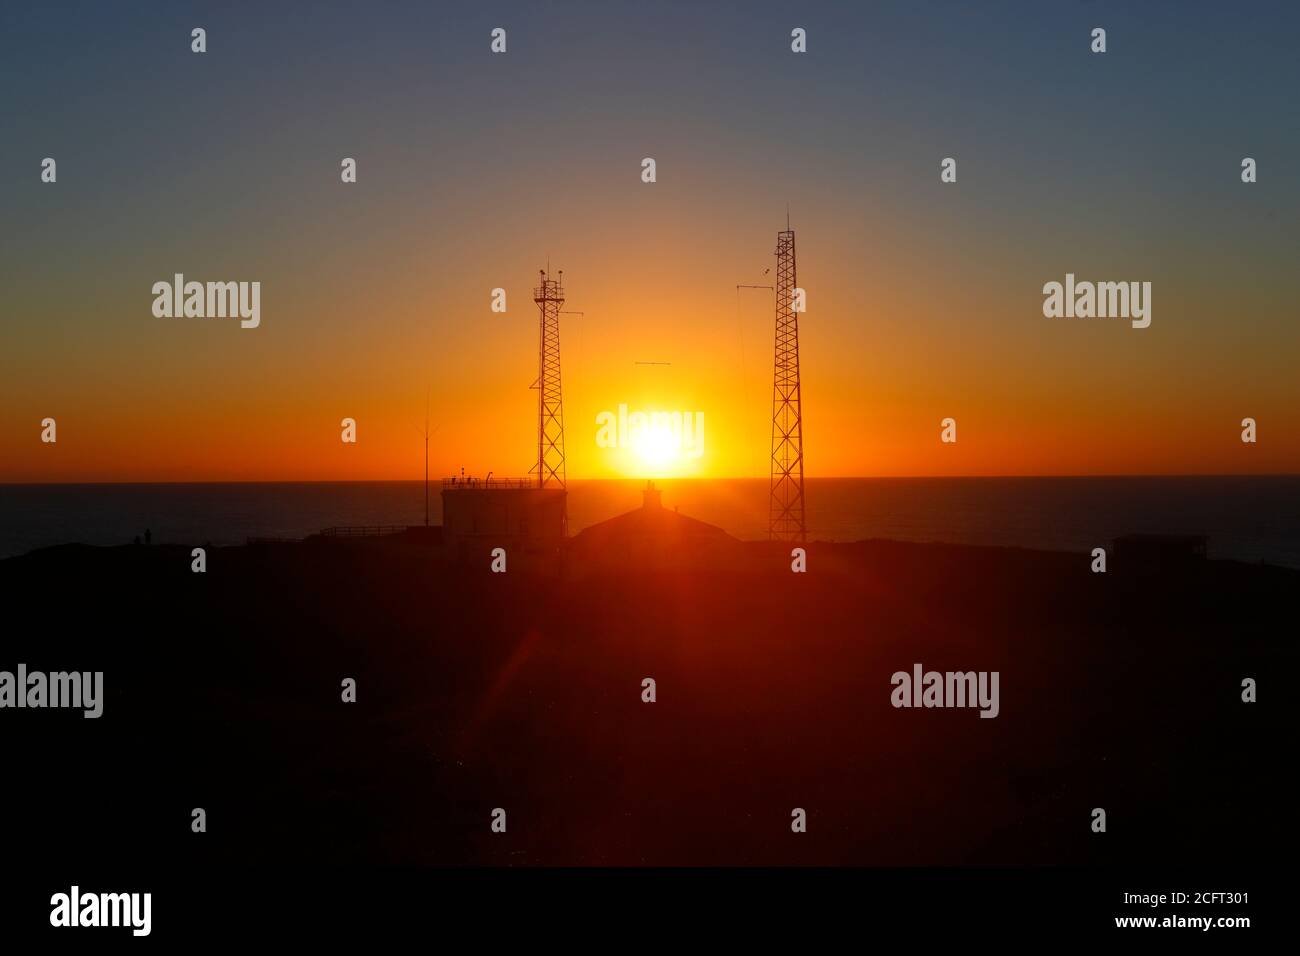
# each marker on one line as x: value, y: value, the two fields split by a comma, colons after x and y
x: 651, y: 496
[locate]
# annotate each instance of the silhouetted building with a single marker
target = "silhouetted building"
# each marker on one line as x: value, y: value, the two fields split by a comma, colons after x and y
x: 512, y: 513
x: 652, y: 537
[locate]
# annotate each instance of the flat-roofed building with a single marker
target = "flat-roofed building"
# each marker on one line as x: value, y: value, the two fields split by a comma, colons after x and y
x: 479, y: 515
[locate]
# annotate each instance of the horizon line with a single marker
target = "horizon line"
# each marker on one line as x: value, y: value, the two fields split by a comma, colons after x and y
x: 694, y: 479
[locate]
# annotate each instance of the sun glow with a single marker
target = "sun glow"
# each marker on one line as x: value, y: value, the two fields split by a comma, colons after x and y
x: 657, y: 446
x: 652, y: 443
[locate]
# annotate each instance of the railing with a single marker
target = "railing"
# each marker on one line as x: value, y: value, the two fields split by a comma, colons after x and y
x: 363, y: 531
x: 473, y: 484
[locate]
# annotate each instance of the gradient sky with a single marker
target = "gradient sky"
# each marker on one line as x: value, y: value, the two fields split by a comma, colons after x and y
x: 924, y: 299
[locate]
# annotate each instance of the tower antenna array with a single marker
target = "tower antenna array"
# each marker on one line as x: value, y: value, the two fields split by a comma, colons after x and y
x: 549, y: 297
x: 786, y: 511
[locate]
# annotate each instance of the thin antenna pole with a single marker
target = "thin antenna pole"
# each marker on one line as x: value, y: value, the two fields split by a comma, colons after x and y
x: 426, y: 458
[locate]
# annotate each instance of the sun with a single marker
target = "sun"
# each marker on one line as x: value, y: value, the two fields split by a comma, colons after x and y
x: 656, y: 446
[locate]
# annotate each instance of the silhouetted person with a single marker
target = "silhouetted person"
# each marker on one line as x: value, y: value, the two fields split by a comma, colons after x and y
x: 137, y: 540
x: 148, y: 536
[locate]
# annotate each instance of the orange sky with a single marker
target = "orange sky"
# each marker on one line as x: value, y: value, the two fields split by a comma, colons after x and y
x: 205, y: 401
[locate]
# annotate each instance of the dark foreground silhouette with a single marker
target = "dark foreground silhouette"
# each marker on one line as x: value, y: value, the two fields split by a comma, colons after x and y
x: 524, y: 691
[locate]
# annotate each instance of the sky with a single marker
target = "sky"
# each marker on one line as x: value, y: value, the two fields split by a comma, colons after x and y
x: 475, y: 170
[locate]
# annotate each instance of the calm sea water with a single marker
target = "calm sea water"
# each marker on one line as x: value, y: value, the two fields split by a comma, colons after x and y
x: 1246, y: 518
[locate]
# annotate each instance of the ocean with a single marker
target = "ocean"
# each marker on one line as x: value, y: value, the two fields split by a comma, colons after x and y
x: 1252, y: 518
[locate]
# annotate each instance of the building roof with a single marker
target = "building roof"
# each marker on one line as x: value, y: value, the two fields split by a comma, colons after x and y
x: 650, y: 522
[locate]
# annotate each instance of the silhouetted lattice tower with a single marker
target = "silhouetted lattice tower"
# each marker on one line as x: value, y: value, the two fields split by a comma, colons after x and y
x: 549, y: 297
x: 786, y: 514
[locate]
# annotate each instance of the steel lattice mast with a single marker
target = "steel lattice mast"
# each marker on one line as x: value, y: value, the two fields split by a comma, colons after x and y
x: 549, y: 297
x: 786, y: 513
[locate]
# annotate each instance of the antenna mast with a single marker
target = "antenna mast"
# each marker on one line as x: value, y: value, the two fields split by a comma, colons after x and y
x: 786, y: 511
x: 549, y: 297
